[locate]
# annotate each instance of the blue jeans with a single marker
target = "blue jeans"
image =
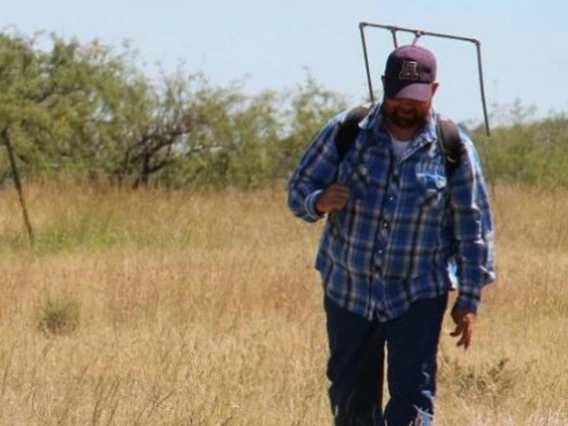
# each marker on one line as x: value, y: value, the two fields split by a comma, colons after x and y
x: 355, y: 366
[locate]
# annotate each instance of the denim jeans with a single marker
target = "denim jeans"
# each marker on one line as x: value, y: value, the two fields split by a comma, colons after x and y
x: 355, y: 365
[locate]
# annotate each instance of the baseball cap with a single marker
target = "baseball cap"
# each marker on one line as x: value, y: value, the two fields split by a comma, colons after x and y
x: 409, y: 73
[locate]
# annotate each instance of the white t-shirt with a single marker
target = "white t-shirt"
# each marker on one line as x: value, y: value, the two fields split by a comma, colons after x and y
x: 399, y: 146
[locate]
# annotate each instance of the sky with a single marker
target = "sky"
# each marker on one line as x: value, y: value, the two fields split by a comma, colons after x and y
x: 269, y: 45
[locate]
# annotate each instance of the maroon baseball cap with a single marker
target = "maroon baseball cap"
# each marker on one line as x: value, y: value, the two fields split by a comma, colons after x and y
x: 409, y: 73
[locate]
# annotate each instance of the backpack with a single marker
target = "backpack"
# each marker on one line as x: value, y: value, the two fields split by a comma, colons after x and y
x: 448, y: 136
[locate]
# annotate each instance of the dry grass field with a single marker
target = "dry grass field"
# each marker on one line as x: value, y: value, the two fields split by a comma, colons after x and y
x: 162, y: 308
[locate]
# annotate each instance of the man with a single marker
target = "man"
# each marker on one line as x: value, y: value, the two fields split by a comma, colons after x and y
x: 401, y: 232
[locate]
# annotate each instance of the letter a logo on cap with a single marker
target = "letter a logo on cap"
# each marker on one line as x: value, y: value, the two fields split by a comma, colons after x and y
x: 409, y: 71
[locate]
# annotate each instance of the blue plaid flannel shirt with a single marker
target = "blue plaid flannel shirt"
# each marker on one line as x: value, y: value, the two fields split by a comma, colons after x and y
x: 406, y: 233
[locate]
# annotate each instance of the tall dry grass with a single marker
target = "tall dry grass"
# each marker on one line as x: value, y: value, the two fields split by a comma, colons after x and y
x: 204, y: 309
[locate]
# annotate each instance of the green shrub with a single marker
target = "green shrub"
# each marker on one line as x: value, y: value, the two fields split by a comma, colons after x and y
x: 59, y: 316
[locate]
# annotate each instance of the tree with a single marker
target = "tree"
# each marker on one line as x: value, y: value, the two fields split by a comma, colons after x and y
x: 311, y: 106
x: 87, y: 111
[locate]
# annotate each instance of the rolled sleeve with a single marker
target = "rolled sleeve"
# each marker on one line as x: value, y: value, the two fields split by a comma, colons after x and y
x: 310, y: 205
x: 469, y: 300
x: 316, y: 170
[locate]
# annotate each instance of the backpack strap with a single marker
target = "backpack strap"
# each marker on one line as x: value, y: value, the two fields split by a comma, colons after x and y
x: 450, y: 143
x: 349, y: 129
x: 448, y: 136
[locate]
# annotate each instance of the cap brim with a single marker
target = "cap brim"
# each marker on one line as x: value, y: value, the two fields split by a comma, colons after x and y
x: 417, y: 91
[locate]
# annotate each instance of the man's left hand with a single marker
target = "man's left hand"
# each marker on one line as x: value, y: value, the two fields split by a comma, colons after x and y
x: 463, y: 318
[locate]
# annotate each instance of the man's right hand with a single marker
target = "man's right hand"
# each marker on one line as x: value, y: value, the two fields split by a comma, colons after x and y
x: 333, y: 198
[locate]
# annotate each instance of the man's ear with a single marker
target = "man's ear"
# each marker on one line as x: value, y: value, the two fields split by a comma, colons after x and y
x: 435, y: 86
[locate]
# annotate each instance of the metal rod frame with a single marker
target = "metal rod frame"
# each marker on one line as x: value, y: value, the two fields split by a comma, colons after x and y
x: 18, y: 183
x: 417, y: 34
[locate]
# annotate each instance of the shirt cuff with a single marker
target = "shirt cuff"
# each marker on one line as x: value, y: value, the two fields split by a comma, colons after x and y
x: 468, y: 301
x: 310, y: 205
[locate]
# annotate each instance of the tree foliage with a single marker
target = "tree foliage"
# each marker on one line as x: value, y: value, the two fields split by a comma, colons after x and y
x: 88, y: 112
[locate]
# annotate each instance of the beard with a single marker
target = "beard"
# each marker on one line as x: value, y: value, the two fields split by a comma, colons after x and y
x: 406, y: 114
x: 406, y: 119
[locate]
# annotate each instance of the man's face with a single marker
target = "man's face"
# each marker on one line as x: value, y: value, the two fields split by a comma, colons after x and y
x: 406, y: 113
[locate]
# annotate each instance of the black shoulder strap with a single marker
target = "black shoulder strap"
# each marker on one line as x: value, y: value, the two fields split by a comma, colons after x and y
x: 448, y: 135
x: 450, y: 142
x: 349, y: 129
